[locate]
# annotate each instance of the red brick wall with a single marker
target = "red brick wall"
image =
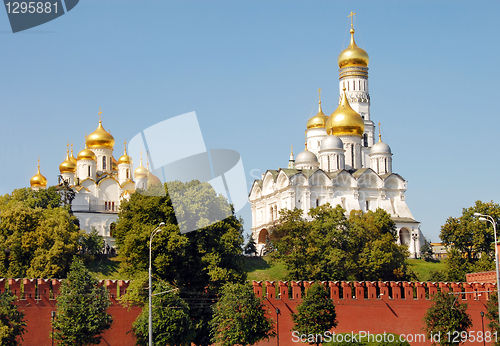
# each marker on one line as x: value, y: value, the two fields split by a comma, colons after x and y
x: 375, y: 307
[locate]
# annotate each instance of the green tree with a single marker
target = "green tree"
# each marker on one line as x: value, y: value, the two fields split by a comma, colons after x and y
x: 81, y: 308
x: 492, y: 315
x: 91, y: 243
x: 316, y: 314
x: 239, y: 317
x: 171, y: 321
x: 12, y: 324
x: 468, y: 238
x: 37, y: 239
x: 332, y: 247
x: 447, y: 314
x: 250, y: 247
x: 198, y: 262
x: 426, y: 251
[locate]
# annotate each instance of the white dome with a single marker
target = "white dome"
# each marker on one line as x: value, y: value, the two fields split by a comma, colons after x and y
x: 331, y: 142
x: 306, y: 157
x: 380, y: 148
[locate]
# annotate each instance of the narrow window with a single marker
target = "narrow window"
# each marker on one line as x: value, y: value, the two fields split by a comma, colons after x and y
x: 317, y: 202
x: 359, y: 85
x: 367, y: 205
x: 328, y: 166
x: 128, y: 174
x: 353, y: 85
x: 365, y: 140
x: 89, y: 171
x: 347, y: 86
x: 113, y: 206
x: 103, y: 163
x: 105, y: 205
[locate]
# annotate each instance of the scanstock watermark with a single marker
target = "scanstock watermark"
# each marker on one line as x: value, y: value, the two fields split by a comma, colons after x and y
x: 28, y: 14
x: 176, y: 152
x: 386, y: 338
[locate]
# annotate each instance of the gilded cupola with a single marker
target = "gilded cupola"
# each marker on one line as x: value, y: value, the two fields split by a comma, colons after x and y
x: 67, y: 166
x: 345, y: 121
x: 100, y: 138
x: 353, y: 55
x: 319, y: 120
x: 86, y: 154
x: 125, y: 158
x: 38, y: 180
x: 141, y: 171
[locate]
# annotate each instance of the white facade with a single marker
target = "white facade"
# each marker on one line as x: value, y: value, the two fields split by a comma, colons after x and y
x: 100, y: 182
x: 347, y: 169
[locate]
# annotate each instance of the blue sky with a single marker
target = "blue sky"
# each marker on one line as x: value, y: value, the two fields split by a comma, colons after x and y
x: 251, y: 70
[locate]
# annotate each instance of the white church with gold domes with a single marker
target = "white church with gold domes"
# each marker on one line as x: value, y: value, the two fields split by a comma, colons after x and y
x: 341, y: 163
x: 99, y: 181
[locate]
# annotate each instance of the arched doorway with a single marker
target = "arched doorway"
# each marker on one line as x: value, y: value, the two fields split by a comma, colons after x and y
x: 404, y: 236
x: 261, y: 240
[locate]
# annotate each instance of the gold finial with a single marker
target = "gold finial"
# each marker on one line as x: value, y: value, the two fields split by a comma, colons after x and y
x: 147, y: 159
x: 141, y: 157
x: 306, y: 145
x: 67, y: 147
x: 352, y: 21
x: 379, y: 134
x: 100, y: 112
x: 291, y: 152
x: 319, y: 91
x: 71, y: 147
x: 125, y: 144
x: 38, y: 163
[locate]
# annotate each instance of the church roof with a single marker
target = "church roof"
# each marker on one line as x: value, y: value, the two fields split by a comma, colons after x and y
x: 404, y: 219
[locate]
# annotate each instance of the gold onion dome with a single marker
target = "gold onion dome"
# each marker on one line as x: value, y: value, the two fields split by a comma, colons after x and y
x: 345, y: 121
x: 353, y: 55
x: 141, y: 171
x: 319, y: 120
x: 125, y: 158
x: 153, y: 180
x: 67, y: 166
x: 86, y: 154
x: 100, y: 138
x: 38, y: 180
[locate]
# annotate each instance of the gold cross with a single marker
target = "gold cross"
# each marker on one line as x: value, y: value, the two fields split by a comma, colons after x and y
x: 352, y: 18
x: 379, y: 134
x: 319, y: 91
x: 38, y: 162
x: 100, y: 112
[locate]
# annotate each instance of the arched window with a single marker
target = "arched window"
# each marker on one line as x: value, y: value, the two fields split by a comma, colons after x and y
x: 89, y: 171
x: 103, y: 162
x: 365, y: 140
x: 128, y: 173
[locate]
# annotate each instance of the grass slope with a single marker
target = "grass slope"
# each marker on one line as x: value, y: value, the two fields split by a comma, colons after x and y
x: 262, y: 269
x: 423, y: 269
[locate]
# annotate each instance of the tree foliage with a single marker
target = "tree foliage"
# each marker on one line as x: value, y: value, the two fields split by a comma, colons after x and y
x: 171, y: 321
x: 91, y: 243
x: 199, y: 263
x: 470, y: 241
x: 81, y: 308
x: 12, y: 324
x: 316, y: 314
x: 38, y: 237
x: 492, y: 315
x: 333, y: 247
x: 447, y: 314
x: 239, y: 317
x: 250, y: 248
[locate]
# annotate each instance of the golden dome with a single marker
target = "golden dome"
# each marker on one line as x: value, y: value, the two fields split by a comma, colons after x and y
x: 317, y: 121
x: 67, y: 166
x: 153, y: 180
x: 38, y: 180
x: 141, y: 171
x: 86, y: 154
x: 345, y: 121
x: 100, y: 138
x: 125, y: 158
x: 353, y: 55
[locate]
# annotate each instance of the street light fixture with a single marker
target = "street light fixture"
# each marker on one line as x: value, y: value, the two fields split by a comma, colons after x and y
x: 488, y: 218
x: 155, y: 232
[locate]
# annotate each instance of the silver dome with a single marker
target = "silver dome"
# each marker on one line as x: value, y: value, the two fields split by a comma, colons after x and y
x: 305, y: 157
x: 380, y: 148
x: 331, y: 142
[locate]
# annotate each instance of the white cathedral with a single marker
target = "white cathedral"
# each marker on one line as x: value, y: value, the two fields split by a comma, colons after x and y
x: 341, y: 163
x: 99, y: 181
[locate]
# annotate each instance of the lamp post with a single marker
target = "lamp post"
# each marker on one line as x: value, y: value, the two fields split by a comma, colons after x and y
x: 414, y: 236
x: 53, y: 315
x: 482, y: 325
x: 488, y: 218
x: 155, y: 232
